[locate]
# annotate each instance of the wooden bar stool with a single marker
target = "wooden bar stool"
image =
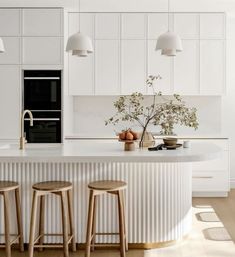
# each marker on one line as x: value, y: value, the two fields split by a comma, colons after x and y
x: 7, y: 187
x: 64, y: 190
x: 101, y: 187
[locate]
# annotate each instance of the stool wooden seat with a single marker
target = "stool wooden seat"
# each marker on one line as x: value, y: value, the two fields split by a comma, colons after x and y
x: 102, y: 187
x: 53, y: 186
x: 7, y: 187
x: 64, y: 190
x: 107, y: 185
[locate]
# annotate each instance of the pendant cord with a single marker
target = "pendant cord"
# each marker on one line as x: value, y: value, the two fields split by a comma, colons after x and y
x: 79, y: 14
x: 168, y: 15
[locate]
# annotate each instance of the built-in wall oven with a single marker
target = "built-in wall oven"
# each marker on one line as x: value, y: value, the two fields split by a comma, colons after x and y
x: 42, y: 95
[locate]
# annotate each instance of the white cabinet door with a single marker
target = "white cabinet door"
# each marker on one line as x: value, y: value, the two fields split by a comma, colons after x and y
x: 212, y: 67
x: 81, y: 72
x: 157, y: 24
x: 133, y: 26
x: 12, y: 51
x: 42, y: 22
x: 107, y: 26
x: 133, y: 66
x: 159, y: 65
x: 10, y: 22
x: 186, y: 69
x: 86, y: 24
x: 10, y: 101
x: 212, y: 26
x: 107, y: 67
x: 42, y: 50
x: 186, y: 25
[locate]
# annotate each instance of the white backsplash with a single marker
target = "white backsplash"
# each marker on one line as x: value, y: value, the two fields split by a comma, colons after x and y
x: 90, y: 113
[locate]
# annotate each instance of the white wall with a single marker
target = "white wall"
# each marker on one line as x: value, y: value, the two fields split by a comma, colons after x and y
x: 91, y: 112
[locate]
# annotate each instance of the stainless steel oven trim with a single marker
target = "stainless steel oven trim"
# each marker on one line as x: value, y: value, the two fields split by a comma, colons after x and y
x: 44, y: 119
x: 38, y: 78
x: 45, y: 110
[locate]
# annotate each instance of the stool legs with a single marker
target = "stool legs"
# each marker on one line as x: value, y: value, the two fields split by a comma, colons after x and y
x: 121, y: 224
x: 41, y: 221
x: 94, y: 224
x: 71, y: 219
x: 89, y: 223
x: 7, y: 224
x: 64, y: 224
x: 124, y: 220
x: 33, y: 222
x: 19, y: 219
x: 67, y: 216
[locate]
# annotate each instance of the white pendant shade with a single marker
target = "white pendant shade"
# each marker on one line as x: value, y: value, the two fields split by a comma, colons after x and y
x: 2, y: 48
x: 170, y: 43
x: 79, y: 44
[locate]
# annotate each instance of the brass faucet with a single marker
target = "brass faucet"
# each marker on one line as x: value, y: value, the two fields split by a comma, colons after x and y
x: 22, y: 137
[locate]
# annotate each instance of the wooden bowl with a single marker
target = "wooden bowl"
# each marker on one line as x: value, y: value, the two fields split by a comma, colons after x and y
x: 170, y: 141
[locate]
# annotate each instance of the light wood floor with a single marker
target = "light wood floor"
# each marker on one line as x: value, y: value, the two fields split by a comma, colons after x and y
x: 213, y: 235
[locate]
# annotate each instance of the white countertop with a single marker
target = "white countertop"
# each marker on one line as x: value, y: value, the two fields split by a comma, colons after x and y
x: 104, y: 151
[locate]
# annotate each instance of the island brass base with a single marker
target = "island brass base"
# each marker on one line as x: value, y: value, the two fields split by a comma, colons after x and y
x: 143, y: 246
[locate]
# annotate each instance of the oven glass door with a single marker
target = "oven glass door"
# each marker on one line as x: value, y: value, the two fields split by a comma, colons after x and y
x: 42, y: 94
x: 44, y: 130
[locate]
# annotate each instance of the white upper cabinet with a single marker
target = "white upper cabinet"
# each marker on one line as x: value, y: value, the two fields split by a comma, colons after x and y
x: 42, y: 22
x: 157, y: 24
x: 12, y: 51
x: 186, y: 69
x: 159, y: 65
x: 10, y: 22
x: 107, y: 26
x: 133, y: 26
x: 212, y: 26
x: 81, y: 70
x: 212, y: 67
x: 80, y: 77
x: 186, y: 25
x: 107, y: 67
x: 133, y: 66
x: 42, y: 50
x: 124, y: 54
x: 10, y: 99
x: 86, y: 24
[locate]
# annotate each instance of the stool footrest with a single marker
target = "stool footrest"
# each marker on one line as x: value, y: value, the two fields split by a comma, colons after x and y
x: 100, y: 234
x: 12, y: 242
x: 106, y: 245
x: 51, y: 245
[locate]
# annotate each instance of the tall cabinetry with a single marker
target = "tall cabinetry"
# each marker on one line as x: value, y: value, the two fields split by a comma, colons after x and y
x: 33, y: 39
x: 125, y: 55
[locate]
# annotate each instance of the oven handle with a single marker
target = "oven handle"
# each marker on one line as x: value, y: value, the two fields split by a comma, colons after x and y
x: 46, y: 119
x: 36, y: 78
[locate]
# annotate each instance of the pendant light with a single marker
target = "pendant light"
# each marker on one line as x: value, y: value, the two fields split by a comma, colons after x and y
x: 2, y: 48
x: 169, y: 43
x: 79, y: 43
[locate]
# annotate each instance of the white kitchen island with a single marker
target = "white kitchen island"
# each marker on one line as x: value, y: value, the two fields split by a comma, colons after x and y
x: 158, y: 198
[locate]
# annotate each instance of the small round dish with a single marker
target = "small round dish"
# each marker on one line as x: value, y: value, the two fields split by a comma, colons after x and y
x: 172, y: 147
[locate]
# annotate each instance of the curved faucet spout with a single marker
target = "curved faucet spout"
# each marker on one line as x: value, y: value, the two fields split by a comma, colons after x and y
x: 22, y: 138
